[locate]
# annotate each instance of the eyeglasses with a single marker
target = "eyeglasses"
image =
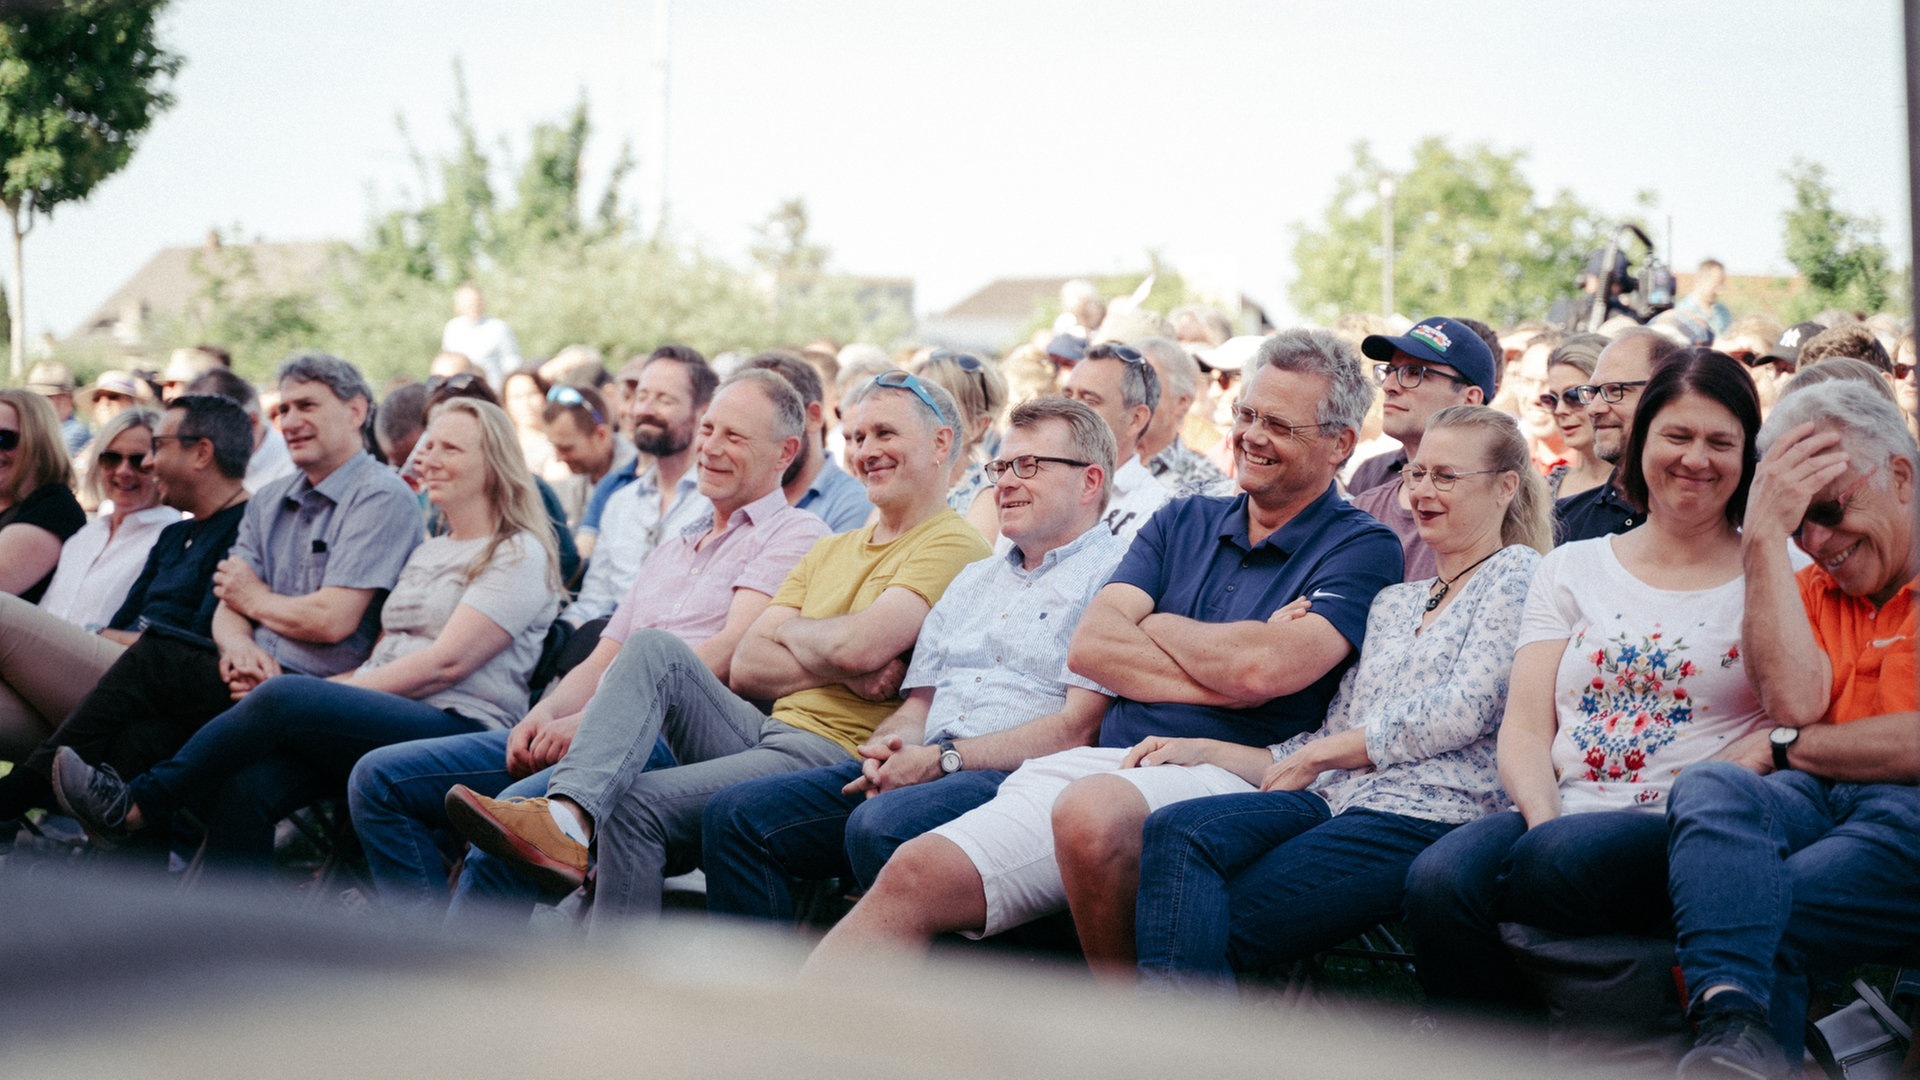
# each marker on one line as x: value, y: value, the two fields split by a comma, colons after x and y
x: 1246, y: 416
x: 1025, y: 466
x: 113, y: 459
x: 1901, y: 371
x: 1612, y: 391
x: 966, y: 362
x: 563, y: 395
x: 1551, y: 401
x: 1829, y: 513
x: 902, y: 380
x: 1443, y: 479
x: 158, y: 439
x: 9, y: 439
x: 1410, y: 375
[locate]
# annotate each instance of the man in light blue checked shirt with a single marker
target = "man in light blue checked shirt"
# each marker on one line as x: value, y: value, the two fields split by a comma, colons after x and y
x: 988, y: 687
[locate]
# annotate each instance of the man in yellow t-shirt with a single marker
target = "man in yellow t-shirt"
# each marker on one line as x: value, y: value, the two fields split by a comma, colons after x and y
x: 831, y: 650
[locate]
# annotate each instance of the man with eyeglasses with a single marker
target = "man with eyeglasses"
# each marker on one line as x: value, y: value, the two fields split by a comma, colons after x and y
x: 987, y: 690
x: 663, y: 497
x: 1438, y: 363
x: 1201, y: 633
x: 1796, y: 855
x: 1118, y: 384
x: 300, y: 591
x: 1619, y: 375
x: 829, y: 649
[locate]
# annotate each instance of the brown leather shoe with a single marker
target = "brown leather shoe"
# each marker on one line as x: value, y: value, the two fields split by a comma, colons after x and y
x: 520, y: 832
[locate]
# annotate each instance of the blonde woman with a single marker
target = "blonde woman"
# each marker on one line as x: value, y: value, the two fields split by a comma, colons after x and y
x: 99, y: 563
x: 461, y: 632
x: 37, y: 508
x: 981, y: 392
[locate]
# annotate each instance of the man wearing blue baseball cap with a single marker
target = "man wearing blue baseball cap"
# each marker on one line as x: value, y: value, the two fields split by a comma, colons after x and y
x: 1440, y: 362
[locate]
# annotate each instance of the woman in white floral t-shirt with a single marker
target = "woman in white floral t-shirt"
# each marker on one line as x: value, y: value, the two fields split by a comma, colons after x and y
x: 1628, y: 670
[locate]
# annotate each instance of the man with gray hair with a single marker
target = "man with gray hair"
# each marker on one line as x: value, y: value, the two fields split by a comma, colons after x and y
x: 1180, y: 469
x: 1199, y: 633
x: 1116, y: 382
x: 1796, y: 854
x: 300, y: 592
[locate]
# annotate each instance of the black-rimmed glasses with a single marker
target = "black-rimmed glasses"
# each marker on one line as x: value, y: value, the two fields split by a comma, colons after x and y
x: 1409, y: 376
x: 1025, y: 466
x: 1609, y: 392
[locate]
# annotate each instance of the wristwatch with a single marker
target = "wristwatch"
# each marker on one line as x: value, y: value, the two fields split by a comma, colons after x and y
x: 949, y: 757
x: 1781, y: 738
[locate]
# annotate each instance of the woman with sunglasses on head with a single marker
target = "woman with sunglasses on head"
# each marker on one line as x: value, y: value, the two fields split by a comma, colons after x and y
x: 1320, y: 852
x: 460, y: 634
x: 1569, y: 365
x: 981, y: 392
x: 99, y: 563
x: 1628, y: 669
x: 38, y: 511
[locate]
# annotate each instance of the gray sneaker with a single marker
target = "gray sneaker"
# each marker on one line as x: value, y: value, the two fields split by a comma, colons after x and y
x: 1738, y: 1045
x: 95, y: 796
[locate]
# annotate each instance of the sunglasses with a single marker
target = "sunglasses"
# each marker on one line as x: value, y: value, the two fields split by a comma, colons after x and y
x: 1829, y: 513
x: 456, y: 383
x: 113, y: 459
x: 1551, y: 401
x: 1901, y: 371
x: 568, y: 397
x: 902, y: 380
x: 9, y: 439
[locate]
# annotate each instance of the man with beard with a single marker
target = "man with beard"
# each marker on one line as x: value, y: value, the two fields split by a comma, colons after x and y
x: 813, y: 482
x: 664, y: 498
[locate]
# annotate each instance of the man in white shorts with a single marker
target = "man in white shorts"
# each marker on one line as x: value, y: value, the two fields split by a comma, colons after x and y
x: 1191, y: 635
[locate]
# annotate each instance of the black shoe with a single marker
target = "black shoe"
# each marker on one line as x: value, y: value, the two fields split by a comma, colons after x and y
x: 96, y: 797
x: 1735, y: 1042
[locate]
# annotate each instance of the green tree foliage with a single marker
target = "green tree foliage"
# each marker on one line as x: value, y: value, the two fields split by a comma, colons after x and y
x: 1471, y: 237
x: 1839, y: 255
x: 80, y: 81
x: 558, y: 275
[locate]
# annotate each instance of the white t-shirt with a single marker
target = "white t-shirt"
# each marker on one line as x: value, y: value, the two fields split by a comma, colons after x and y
x: 486, y: 341
x: 512, y: 591
x: 1652, y: 680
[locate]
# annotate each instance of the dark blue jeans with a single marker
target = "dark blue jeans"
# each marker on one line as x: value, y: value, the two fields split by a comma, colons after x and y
x: 292, y: 733
x: 1596, y: 873
x: 1780, y: 879
x: 760, y: 834
x: 1245, y: 882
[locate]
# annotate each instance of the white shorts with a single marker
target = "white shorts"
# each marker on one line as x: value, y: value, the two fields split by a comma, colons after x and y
x: 1010, y: 839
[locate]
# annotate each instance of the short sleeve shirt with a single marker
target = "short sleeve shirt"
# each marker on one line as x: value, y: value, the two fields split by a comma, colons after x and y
x: 846, y: 573
x: 837, y: 498
x: 1871, y: 649
x: 51, y: 507
x: 1597, y: 511
x: 1383, y: 502
x: 353, y: 531
x: 1194, y: 559
x: 512, y: 591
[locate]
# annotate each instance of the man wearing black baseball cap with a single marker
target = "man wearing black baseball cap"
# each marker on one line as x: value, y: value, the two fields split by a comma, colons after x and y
x: 1440, y: 362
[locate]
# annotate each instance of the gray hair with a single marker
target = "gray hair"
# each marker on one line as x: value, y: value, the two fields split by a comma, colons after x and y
x: 1092, y: 437
x: 1175, y: 363
x: 336, y: 374
x: 1837, y: 368
x: 128, y: 418
x: 949, y: 411
x: 1870, y: 424
x: 789, y: 411
x: 1139, y: 383
x: 1322, y: 353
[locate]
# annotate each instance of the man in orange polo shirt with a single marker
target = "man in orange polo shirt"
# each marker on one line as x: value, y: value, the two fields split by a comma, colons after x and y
x: 1798, y: 855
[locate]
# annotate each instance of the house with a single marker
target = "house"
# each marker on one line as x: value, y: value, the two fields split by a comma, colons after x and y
x: 182, y: 282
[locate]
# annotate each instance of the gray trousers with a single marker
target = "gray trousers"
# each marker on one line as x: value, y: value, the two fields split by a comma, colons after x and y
x: 644, y: 822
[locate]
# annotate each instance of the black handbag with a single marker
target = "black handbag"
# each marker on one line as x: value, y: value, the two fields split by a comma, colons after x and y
x: 1866, y: 1040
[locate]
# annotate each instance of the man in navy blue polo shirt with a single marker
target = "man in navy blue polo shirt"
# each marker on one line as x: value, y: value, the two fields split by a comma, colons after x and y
x: 1228, y: 619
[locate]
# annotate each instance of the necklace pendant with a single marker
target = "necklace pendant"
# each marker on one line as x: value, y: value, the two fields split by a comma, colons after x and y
x: 1434, y: 600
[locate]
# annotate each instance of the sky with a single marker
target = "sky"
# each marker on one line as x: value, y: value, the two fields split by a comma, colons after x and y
x: 958, y: 143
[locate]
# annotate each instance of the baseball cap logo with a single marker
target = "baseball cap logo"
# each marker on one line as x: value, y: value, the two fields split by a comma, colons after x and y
x: 1791, y: 338
x: 1432, y: 335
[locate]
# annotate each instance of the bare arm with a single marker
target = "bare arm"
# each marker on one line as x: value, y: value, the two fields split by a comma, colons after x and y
x: 467, y: 642
x: 1871, y: 750
x: 243, y: 664
x: 847, y: 646
x: 326, y: 616
x: 1790, y: 672
x: 1249, y: 763
x: 1525, y: 746
x: 1237, y: 659
x: 1347, y: 750
x: 913, y: 762
x: 1110, y: 648
x: 27, y: 554
x: 717, y: 651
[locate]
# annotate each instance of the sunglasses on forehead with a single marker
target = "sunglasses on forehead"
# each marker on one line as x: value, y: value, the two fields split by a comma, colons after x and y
x: 570, y: 398
x: 1126, y: 354
x: 455, y: 383
x: 904, y: 380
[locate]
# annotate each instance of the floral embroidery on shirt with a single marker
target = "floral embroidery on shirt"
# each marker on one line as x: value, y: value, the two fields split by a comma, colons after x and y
x: 1631, y: 707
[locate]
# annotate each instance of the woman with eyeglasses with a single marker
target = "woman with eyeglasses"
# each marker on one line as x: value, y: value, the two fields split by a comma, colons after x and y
x: 981, y: 392
x: 99, y: 563
x: 1569, y: 365
x: 1628, y: 669
x: 460, y: 634
x: 1319, y: 852
x: 38, y: 511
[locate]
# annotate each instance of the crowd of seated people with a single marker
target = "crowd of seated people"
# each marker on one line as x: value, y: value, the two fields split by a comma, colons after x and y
x: 553, y: 632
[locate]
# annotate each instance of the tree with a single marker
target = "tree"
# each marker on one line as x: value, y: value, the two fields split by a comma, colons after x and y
x: 1838, y: 254
x: 80, y: 81
x: 1470, y: 238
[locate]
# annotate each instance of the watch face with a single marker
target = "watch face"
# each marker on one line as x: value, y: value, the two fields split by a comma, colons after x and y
x: 1784, y: 735
x: 949, y: 761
